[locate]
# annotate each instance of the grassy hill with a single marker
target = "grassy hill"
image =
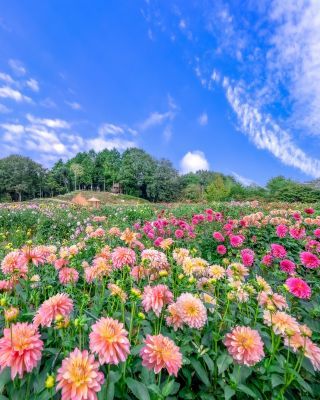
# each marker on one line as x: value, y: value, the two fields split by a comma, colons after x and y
x: 105, y: 197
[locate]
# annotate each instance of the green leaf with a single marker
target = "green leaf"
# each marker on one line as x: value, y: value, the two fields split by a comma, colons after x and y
x: 228, y: 392
x: 138, y: 389
x: 223, y: 362
x: 209, y: 362
x: 247, y: 390
x: 276, y: 380
x: 4, y: 378
x: 200, y: 371
x: 167, y: 388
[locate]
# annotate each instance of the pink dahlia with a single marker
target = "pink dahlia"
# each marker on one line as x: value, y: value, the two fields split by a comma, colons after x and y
x: 287, y: 266
x: 281, y: 230
x: 109, y: 341
x: 299, y: 288
x: 58, y: 305
x: 309, y: 260
x: 221, y: 249
x: 79, y: 377
x: 122, y: 256
x: 218, y: 236
x: 191, y: 310
x: 156, y: 297
x: 161, y: 352
x: 14, y: 263
x: 20, y: 348
x: 244, y: 345
x: 278, y: 251
x: 68, y: 275
x: 247, y: 256
x: 236, y: 240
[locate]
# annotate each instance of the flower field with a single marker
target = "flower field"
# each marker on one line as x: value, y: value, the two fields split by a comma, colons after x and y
x: 148, y: 302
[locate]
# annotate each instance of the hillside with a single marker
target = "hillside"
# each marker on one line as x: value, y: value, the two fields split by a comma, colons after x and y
x: 104, y: 197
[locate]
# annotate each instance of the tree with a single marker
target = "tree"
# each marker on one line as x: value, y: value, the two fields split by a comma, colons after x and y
x: 20, y: 177
x: 136, y: 172
x: 78, y: 171
x: 165, y: 185
x: 217, y: 190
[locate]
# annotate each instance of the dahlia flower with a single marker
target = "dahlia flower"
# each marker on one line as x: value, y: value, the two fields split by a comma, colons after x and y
x: 68, y: 275
x: 122, y: 256
x: 247, y: 256
x: 14, y: 262
x: 281, y: 230
x: 79, y: 377
x: 174, y: 319
x: 299, y: 288
x: 278, y: 251
x: 191, y: 310
x: 309, y: 260
x: 287, y: 266
x: 244, y: 345
x: 161, y: 352
x: 20, y: 348
x: 60, y: 304
x: 109, y: 341
x: 281, y: 322
x: 156, y: 298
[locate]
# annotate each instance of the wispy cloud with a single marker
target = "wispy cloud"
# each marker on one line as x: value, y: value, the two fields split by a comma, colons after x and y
x: 243, y: 180
x: 158, y: 118
x: 203, y: 119
x: 4, y: 109
x: 110, y: 129
x: 17, y: 67
x: 194, y: 161
x: 74, y: 105
x: 294, y: 59
x: 33, y: 84
x: 266, y: 134
x: 49, y: 123
x: 6, y: 78
x: 13, y: 94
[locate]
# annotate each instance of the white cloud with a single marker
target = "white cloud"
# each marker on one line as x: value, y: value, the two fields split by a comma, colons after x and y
x: 167, y: 133
x: 158, y: 118
x: 203, y: 119
x: 243, y: 180
x: 267, y: 134
x: 74, y: 105
x: 293, y: 60
x: 50, y: 123
x: 6, y: 78
x: 4, y: 109
x: 17, y: 67
x: 110, y: 129
x: 48, y: 103
x: 50, y: 139
x: 33, y: 84
x: 9, y: 93
x: 100, y: 143
x: 155, y: 119
x: 194, y: 161
x: 182, y: 24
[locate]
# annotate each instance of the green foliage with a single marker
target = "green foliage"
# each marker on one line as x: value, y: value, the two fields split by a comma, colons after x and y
x: 217, y: 190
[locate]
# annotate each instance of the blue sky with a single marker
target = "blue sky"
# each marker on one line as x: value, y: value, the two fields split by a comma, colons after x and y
x: 231, y: 85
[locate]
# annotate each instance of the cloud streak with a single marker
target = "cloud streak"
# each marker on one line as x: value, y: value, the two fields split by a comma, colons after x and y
x: 266, y: 134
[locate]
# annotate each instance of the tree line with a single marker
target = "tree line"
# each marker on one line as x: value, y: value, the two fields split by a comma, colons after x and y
x: 139, y: 174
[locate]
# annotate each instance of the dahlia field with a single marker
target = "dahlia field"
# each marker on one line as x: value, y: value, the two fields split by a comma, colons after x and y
x: 160, y: 302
